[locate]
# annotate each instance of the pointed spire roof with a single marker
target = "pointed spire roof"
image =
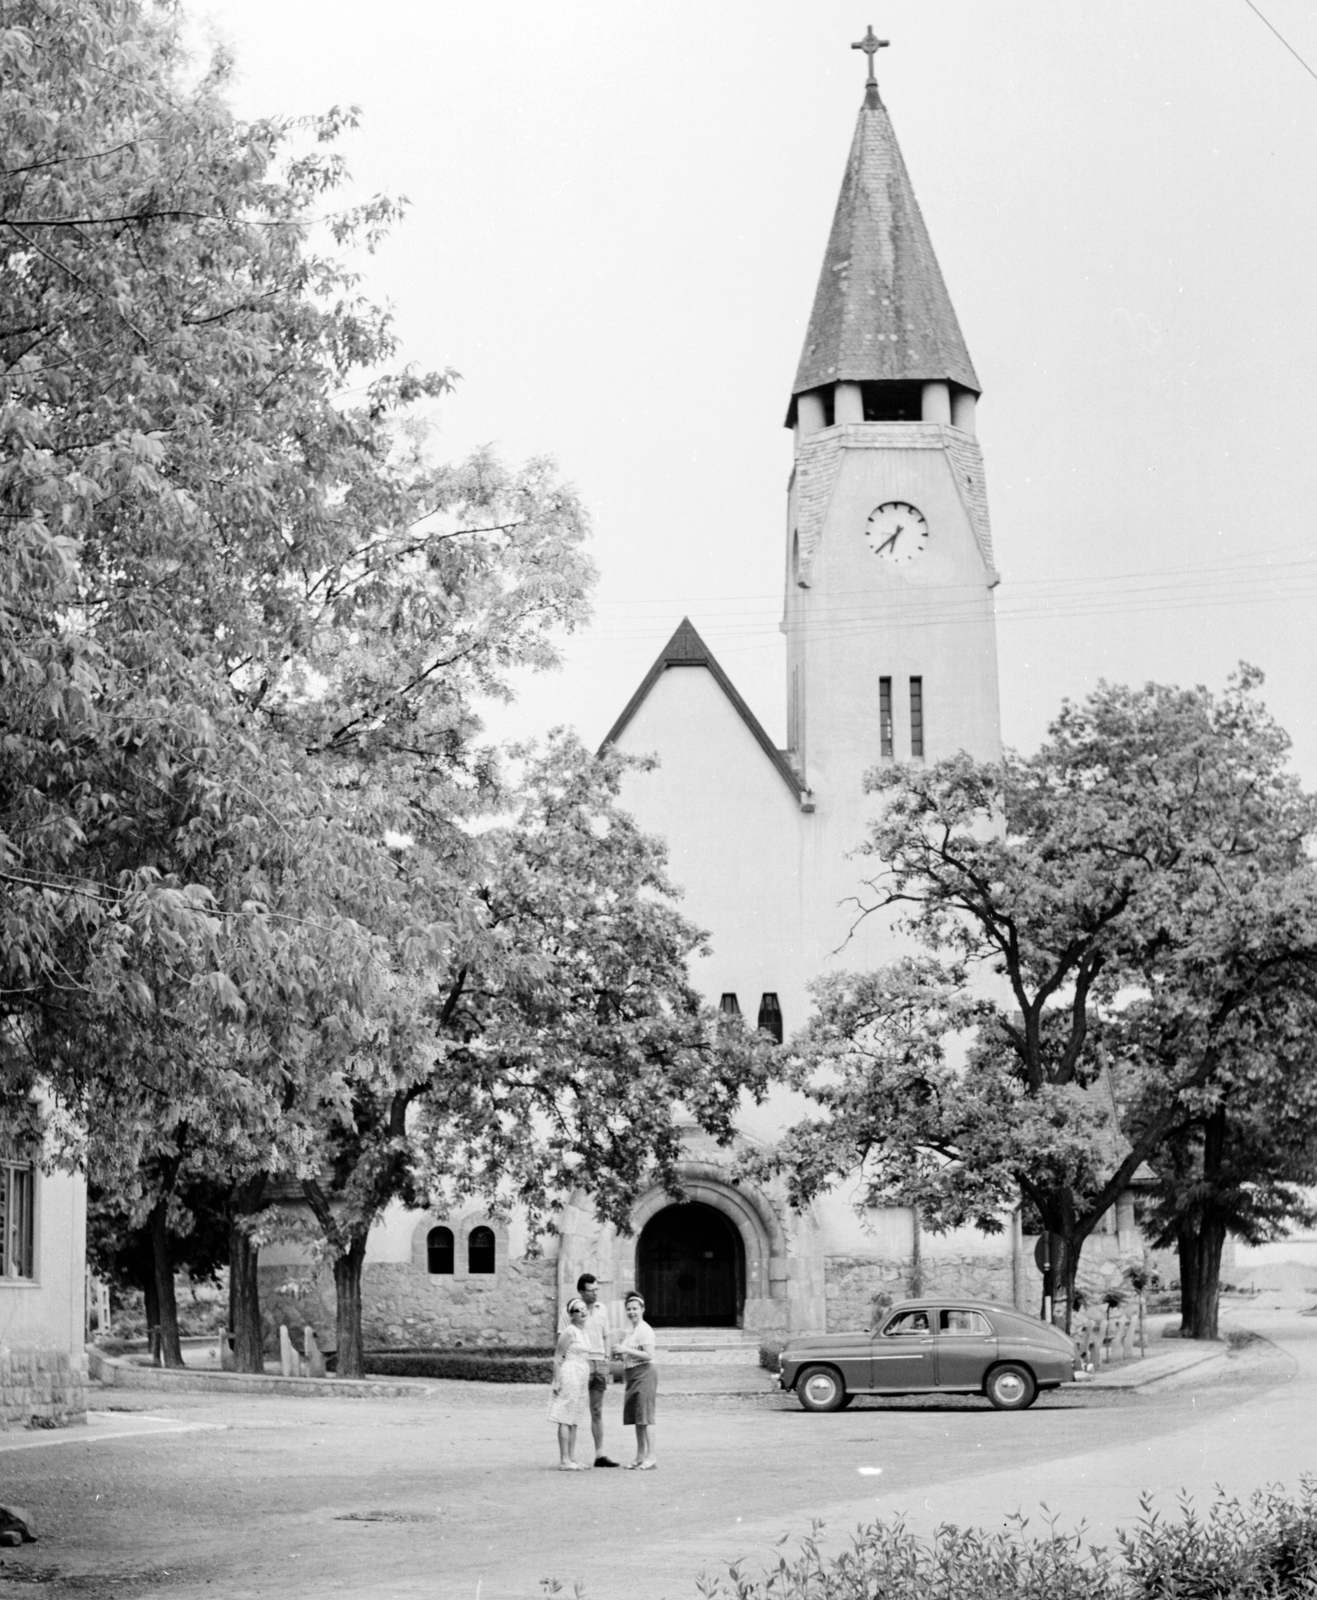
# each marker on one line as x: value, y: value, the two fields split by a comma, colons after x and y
x: 881, y: 310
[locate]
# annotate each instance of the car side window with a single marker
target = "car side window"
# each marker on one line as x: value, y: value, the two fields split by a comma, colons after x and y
x: 971, y: 1322
x: 908, y: 1322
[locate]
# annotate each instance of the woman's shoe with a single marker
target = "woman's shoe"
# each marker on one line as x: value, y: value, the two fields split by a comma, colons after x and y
x: 570, y: 1466
x: 646, y: 1466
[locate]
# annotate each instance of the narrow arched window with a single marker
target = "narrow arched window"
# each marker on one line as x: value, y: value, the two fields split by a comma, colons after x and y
x: 439, y: 1251
x: 480, y: 1250
x: 770, y: 1016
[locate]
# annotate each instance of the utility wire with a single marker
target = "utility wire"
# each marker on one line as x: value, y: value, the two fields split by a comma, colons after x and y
x: 1282, y: 38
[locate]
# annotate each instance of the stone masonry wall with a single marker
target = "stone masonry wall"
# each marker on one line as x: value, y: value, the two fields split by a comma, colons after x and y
x: 41, y: 1386
x: 856, y: 1283
x: 402, y: 1304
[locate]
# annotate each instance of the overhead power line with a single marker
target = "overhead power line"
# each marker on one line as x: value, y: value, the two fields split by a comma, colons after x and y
x: 1282, y: 38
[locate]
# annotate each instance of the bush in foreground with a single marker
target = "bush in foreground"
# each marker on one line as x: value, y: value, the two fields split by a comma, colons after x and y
x: 1261, y: 1549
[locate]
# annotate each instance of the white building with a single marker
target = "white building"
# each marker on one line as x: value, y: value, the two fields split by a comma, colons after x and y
x: 891, y: 656
x: 43, y: 1249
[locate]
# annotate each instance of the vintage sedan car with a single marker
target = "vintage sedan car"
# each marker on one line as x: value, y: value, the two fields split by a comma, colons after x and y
x: 934, y: 1345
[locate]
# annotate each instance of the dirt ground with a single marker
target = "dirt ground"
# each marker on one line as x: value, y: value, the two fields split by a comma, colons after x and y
x: 456, y: 1494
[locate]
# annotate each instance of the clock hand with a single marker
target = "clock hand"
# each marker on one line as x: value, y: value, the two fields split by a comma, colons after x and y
x: 890, y: 543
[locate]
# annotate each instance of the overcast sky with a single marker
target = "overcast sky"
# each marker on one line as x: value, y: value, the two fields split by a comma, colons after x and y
x: 618, y: 214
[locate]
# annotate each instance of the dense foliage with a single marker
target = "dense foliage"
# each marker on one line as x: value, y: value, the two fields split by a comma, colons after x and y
x: 1264, y: 1548
x: 1121, y: 942
x: 251, y: 904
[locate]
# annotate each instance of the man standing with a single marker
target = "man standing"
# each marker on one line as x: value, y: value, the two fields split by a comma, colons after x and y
x: 598, y: 1340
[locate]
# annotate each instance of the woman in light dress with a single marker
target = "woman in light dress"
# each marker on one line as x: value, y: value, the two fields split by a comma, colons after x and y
x: 569, y: 1405
x: 637, y: 1353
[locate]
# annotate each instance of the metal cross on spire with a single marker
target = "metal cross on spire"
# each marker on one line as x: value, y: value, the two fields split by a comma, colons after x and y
x: 871, y: 44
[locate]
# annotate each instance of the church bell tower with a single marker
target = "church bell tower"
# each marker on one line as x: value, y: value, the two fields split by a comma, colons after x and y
x: 891, y: 638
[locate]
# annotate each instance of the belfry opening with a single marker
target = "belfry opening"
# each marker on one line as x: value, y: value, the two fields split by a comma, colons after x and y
x: 690, y: 1262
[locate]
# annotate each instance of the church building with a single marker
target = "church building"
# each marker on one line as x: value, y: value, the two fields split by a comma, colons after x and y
x: 888, y: 582
x: 891, y: 656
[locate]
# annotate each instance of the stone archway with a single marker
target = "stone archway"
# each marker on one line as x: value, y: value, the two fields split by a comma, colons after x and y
x: 783, y: 1284
x: 760, y: 1258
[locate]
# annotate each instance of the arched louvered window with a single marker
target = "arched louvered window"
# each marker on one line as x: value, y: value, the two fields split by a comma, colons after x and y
x: 439, y: 1252
x: 730, y: 1006
x: 480, y: 1250
x: 770, y: 1016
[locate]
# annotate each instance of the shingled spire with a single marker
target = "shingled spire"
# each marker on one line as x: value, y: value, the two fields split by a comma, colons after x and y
x: 881, y: 310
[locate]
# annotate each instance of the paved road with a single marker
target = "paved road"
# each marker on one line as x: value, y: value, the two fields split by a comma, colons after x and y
x: 455, y: 1497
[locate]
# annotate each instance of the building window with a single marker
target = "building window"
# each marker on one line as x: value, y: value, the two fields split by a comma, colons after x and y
x: 730, y: 1006
x: 916, y: 716
x: 770, y: 1016
x: 884, y: 716
x: 886, y: 401
x: 16, y: 1232
x: 439, y: 1252
x: 480, y: 1250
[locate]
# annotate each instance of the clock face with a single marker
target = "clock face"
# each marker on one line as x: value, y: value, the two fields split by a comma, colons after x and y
x: 897, y: 532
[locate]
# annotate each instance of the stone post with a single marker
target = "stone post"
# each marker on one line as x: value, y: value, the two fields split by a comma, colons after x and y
x: 848, y: 405
x: 809, y: 413
x: 963, y: 407
x: 936, y: 404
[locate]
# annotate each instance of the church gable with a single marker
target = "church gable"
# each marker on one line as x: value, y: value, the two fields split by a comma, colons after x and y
x: 687, y: 652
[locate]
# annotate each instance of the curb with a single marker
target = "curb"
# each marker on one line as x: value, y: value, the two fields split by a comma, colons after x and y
x: 116, y: 1373
x: 1192, y: 1359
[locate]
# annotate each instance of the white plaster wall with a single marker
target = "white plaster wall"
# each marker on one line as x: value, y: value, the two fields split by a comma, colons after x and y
x: 888, y: 1233
x: 1300, y: 1247
x: 48, y: 1310
x: 861, y: 619
x: 733, y: 828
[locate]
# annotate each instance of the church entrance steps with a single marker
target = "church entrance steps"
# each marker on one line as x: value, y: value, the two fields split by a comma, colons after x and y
x: 700, y: 1347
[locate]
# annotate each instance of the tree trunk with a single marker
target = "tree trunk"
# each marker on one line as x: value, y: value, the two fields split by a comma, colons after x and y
x: 1186, y: 1248
x: 151, y: 1304
x: 347, y: 1290
x: 245, y: 1298
x: 1207, y: 1281
x: 171, y: 1351
x: 244, y: 1279
x: 1201, y: 1323
x: 916, y: 1254
x: 1065, y: 1277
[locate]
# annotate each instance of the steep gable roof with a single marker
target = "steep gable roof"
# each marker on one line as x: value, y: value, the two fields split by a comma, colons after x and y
x: 881, y: 310
x: 687, y: 649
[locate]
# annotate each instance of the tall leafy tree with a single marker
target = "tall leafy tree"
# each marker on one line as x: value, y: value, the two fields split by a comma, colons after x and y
x: 1238, y: 1002
x: 1050, y: 894
x: 553, y: 1048
x: 243, y: 622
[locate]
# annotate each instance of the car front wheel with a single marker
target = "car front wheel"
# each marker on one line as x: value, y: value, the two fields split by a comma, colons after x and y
x: 1011, y: 1387
x: 820, y: 1389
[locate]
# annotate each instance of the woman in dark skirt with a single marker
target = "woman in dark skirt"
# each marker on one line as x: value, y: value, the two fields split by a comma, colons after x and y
x: 637, y: 1353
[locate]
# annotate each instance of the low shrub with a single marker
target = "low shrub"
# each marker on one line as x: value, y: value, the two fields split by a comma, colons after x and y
x: 1262, y: 1549
x: 769, y: 1356
x: 506, y: 1364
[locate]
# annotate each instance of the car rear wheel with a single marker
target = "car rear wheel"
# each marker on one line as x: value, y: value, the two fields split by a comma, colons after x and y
x: 821, y: 1389
x: 1011, y: 1387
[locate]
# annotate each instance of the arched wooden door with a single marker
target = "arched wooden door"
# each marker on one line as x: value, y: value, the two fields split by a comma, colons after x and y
x: 691, y: 1267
